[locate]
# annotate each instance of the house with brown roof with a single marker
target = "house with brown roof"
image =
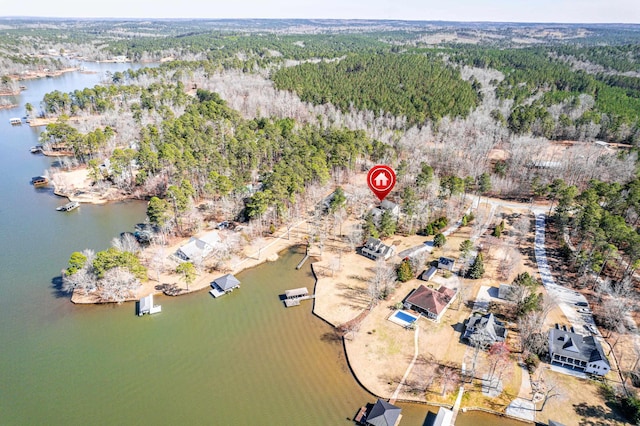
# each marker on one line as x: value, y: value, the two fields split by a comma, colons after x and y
x: 429, y: 302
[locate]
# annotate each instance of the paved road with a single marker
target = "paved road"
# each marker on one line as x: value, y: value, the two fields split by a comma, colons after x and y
x: 564, y: 297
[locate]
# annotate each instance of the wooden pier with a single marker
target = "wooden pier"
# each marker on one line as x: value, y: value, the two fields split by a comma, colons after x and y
x: 302, y: 261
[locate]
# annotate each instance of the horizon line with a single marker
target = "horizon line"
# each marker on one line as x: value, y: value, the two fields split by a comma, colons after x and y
x: 116, y: 18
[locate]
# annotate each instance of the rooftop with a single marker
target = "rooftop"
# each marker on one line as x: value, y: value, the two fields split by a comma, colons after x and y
x: 434, y: 301
x: 576, y: 346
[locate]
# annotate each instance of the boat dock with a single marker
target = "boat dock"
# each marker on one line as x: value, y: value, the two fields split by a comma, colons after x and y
x: 39, y: 181
x: 295, y: 296
x: 69, y: 206
x: 146, y: 306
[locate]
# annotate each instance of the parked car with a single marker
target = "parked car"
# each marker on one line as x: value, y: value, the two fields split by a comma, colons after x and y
x: 584, y: 311
x: 591, y: 328
x: 585, y: 304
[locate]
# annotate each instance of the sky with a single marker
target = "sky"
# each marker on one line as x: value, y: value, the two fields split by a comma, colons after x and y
x: 564, y: 11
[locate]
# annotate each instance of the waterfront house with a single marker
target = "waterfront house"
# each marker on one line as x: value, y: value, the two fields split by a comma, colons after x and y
x: 223, y: 285
x: 375, y: 249
x: 446, y: 263
x: 578, y: 352
x: 485, y: 329
x: 198, y: 248
x: 381, y: 413
x: 429, y: 302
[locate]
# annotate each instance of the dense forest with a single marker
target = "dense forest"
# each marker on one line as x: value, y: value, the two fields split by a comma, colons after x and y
x: 415, y: 86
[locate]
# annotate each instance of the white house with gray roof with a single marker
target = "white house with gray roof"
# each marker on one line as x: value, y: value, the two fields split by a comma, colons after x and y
x: 199, y: 248
x: 376, y: 249
x: 578, y: 352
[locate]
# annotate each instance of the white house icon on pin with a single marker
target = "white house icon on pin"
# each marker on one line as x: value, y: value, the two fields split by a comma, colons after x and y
x: 381, y: 180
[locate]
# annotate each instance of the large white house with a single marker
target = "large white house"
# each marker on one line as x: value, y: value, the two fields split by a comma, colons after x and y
x: 199, y: 248
x: 578, y: 352
x: 376, y: 249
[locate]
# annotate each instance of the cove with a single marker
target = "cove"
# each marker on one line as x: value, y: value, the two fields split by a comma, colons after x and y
x: 239, y: 360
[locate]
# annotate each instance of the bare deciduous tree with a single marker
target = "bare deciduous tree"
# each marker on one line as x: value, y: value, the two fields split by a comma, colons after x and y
x: 381, y: 283
x: 448, y: 376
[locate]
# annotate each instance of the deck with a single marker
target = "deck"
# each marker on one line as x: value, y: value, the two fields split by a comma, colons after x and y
x: 293, y: 297
x: 217, y: 292
x: 361, y: 417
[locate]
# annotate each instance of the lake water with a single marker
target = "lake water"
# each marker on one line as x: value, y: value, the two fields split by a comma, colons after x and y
x: 242, y: 359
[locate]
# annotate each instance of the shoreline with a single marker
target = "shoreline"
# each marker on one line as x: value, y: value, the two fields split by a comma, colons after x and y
x: 269, y: 253
x: 33, y: 75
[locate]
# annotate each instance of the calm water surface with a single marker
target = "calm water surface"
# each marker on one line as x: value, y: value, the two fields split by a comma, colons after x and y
x: 240, y: 360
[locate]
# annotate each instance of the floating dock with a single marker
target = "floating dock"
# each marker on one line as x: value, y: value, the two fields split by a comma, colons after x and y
x: 295, y: 296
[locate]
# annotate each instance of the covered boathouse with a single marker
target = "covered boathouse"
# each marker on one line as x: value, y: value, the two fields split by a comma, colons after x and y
x: 223, y: 285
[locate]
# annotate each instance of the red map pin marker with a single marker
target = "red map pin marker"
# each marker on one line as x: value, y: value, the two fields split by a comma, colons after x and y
x: 381, y: 180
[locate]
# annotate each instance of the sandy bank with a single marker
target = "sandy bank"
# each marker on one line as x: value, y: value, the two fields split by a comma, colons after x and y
x: 35, y: 122
x: 32, y: 75
x: 77, y: 186
x: 260, y: 251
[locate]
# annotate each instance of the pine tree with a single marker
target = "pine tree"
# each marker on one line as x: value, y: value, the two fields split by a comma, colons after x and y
x: 477, y: 268
x: 439, y: 240
x: 404, y: 271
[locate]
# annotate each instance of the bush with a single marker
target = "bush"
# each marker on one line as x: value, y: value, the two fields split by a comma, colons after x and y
x: 435, y: 226
x: 630, y: 407
x: 532, y: 361
x: 439, y: 240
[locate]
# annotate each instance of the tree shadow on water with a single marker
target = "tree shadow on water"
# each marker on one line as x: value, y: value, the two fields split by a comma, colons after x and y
x: 331, y: 337
x: 58, y: 292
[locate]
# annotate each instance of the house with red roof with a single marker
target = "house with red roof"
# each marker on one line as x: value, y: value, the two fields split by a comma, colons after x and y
x: 429, y: 302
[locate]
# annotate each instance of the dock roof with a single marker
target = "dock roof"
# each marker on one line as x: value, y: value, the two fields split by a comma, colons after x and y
x: 227, y: 282
x: 383, y: 414
x: 296, y: 292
